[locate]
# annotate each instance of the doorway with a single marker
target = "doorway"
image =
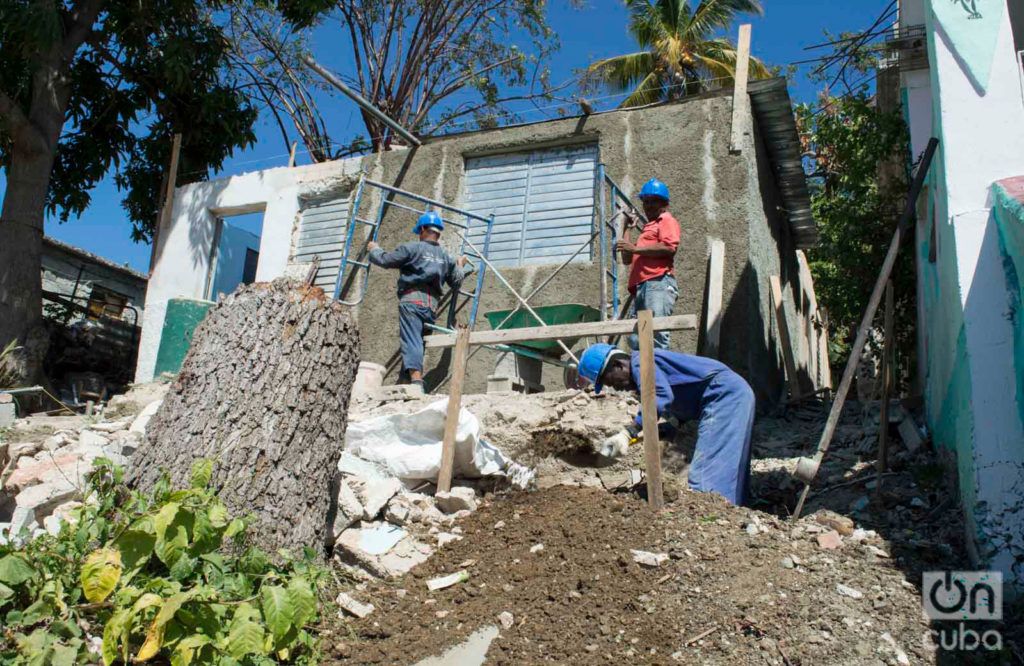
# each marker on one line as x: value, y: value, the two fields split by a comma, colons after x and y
x: 236, y: 254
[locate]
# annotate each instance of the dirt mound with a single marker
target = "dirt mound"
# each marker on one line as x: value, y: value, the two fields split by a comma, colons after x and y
x: 554, y: 571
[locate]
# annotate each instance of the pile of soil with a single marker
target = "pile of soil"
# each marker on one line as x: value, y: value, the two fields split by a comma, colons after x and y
x: 738, y: 587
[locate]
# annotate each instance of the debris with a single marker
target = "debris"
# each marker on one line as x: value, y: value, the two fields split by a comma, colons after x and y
x: 703, y: 634
x: 788, y: 563
x: 830, y: 540
x: 878, y: 552
x: 459, y: 498
x: 506, y: 619
x: 353, y: 607
x: 644, y: 558
x: 537, y: 548
x: 842, y: 524
x: 444, y: 538
x: 901, y: 656
x: 848, y: 591
x: 447, y: 581
x: 142, y: 420
x: 382, y: 549
x: 498, y: 525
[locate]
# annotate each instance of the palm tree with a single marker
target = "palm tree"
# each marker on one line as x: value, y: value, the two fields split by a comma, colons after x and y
x: 680, y: 55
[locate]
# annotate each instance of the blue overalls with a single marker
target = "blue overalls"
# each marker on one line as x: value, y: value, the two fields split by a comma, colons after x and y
x: 425, y: 267
x: 689, y: 387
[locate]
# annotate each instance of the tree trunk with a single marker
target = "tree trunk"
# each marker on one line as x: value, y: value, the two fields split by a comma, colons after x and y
x: 21, y: 245
x: 263, y: 392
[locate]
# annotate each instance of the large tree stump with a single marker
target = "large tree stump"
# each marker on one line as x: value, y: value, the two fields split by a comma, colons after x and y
x: 263, y: 392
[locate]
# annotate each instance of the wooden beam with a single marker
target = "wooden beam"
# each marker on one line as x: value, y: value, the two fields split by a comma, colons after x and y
x: 588, y: 329
x: 883, y: 415
x: 713, y: 310
x: 785, y: 341
x: 649, y: 410
x: 740, y: 100
x: 451, y: 419
x: 165, y: 211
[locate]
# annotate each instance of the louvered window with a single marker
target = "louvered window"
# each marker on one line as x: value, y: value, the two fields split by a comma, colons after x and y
x: 322, y: 232
x: 542, y: 201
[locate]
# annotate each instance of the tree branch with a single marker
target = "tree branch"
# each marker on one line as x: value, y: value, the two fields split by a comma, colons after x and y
x: 11, y: 112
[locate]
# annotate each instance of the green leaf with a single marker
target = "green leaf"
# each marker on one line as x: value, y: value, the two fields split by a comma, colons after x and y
x: 5, y: 593
x: 303, y: 601
x: 245, y: 636
x: 236, y: 527
x: 173, y: 526
x: 135, y: 547
x: 100, y: 573
x: 188, y: 648
x: 278, y: 610
x: 218, y: 515
x: 115, y: 632
x: 14, y: 570
x: 155, y: 633
x: 202, y: 473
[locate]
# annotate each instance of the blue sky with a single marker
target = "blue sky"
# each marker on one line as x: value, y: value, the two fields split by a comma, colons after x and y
x: 596, y: 31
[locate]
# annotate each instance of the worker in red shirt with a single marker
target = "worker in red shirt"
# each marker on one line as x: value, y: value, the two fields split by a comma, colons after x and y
x: 651, y: 279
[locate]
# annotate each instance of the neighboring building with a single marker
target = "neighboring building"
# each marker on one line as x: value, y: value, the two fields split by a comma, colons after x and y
x: 95, y: 308
x: 966, y: 87
x: 541, y: 182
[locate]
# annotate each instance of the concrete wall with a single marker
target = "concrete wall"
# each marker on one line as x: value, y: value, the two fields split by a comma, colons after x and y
x: 715, y: 195
x: 972, y: 388
x: 62, y: 268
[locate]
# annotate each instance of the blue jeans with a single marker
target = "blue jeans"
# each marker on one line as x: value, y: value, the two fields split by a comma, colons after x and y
x: 659, y: 296
x: 411, y: 320
x: 724, y: 403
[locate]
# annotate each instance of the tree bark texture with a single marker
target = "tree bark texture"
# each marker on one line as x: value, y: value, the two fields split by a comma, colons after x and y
x: 263, y: 392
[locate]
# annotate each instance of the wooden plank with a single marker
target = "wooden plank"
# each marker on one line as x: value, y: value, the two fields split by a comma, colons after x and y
x: 451, y: 419
x: 740, y: 100
x: 649, y: 409
x: 589, y: 329
x: 778, y: 305
x: 165, y: 211
x: 713, y: 311
x: 883, y: 417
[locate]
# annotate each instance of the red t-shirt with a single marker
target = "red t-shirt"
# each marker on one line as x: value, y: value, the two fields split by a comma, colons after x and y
x: 665, y: 230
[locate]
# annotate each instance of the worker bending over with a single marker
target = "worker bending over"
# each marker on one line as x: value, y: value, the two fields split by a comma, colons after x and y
x: 687, y: 387
x: 652, y: 282
x: 424, y: 268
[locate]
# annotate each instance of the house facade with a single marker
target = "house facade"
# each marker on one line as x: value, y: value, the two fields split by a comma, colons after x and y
x: 967, y: 90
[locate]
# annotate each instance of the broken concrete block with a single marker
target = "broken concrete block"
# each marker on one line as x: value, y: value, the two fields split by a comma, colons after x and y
x: 375, y: 494
x: 506, y: 619
x: 23, y: 518
x: 59, y: 440
x: 353, y: 607
x: 830, y: 540
x: 458, y: 499
x: 16, y: 450
x: 380, y: 548
x: 646, y: 559
x: 842, y: 524
x: 8, y: 413
x: 349, y: 509
x: 42, y: 499
x: 56, y: 468
x: 848, y: 591
x: 142, y: 420
x: 110, y: 427
x: 445, y: 538
x: 447, y: 581
x: 88, y: 439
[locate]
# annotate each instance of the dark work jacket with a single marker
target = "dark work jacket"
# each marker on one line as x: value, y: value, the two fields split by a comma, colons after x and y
x: 425, y: 267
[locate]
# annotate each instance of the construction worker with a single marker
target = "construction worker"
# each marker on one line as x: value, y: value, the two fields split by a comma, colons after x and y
x: 687, y: 387
x: 424, y: 268
x: 652, y: 282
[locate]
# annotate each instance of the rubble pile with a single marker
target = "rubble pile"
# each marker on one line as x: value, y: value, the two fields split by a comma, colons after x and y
x: 45, y: 460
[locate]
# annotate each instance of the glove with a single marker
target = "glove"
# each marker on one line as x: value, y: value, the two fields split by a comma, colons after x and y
x: 616, y: 445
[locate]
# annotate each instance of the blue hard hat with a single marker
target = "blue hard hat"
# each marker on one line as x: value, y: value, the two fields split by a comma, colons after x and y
x: 594, y: 360
x: 428, y: 219
x: 654, y: 188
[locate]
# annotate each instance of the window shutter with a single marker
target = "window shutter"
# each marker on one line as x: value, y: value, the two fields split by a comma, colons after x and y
x: 322, y: 232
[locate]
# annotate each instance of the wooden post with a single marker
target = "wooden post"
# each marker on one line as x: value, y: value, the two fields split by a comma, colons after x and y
x: 291, y: 155
x: 648, y: 407
x: 713, y: 312
x: 740, y: 100
x: 883, y: 415
x: 165, y: 211
x: 451, y: 420
x: 784, y: 339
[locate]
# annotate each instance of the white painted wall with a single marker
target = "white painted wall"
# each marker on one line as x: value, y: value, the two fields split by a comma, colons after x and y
x: 186, y: 245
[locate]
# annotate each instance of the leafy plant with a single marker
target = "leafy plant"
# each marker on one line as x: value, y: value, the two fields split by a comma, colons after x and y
x: 679, y: 55
x: 165, y: 577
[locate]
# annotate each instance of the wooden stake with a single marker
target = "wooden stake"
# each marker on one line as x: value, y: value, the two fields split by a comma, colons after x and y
x: 883, y: 416
x: 713, y: 311
x: 648, y: 407
x: 165, y: 211
x: 740, y: 100
x: 451, y: 420
x: 784, y: 340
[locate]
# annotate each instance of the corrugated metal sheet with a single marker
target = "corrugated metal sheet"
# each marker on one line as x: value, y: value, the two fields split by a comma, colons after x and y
x: 773, y: 112
x: 542, y: 201
x: 322, y: 232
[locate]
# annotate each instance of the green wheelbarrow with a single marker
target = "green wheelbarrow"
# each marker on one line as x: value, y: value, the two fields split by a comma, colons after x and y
x: 551, y: 315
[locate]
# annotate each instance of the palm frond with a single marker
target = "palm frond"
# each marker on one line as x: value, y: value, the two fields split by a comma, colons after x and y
x: 624, y: 71
x: 712, y: 15
x: 644, y: 23
x: 649, y: 91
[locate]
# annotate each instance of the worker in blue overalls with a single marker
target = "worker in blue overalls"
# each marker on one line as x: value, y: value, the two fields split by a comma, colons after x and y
x: 424, y: 268
x: 687, y: 387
